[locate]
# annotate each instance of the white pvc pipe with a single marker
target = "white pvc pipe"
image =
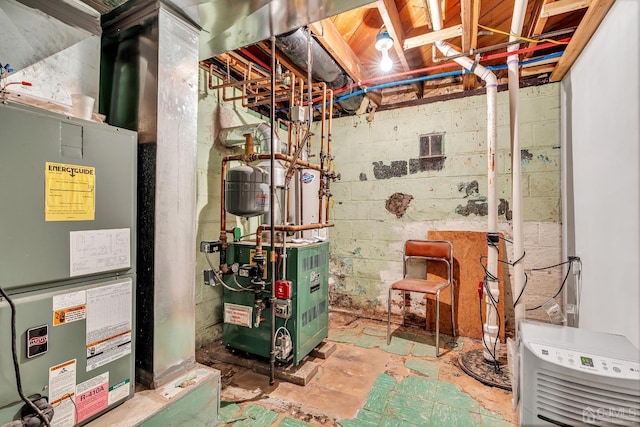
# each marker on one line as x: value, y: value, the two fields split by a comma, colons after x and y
x: 490, y: 327
x: 519, y: 9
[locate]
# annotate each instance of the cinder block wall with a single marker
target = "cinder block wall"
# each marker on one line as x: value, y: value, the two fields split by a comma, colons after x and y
x: 375, y: 160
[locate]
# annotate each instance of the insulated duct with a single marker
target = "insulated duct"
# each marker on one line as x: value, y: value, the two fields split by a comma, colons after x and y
x: 324, y: 68
x: 261, y: 132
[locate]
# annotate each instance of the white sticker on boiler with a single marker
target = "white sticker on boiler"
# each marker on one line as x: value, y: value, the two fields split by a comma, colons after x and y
x: 236, y: 314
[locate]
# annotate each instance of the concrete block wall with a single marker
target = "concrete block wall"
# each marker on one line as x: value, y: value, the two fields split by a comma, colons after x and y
x: 375, y: 160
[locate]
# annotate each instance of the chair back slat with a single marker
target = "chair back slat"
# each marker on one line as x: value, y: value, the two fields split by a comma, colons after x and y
x: 428, y: 248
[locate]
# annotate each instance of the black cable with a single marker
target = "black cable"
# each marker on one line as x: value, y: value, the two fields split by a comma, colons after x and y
x: 494, y: 302
x: 16, y: 365
x: 561, y: 285
x: 526, y: 280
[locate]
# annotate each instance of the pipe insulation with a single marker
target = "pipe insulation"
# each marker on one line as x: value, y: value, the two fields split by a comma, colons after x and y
x: 519, y: 9
x: 490, y: 327
x: 295, y: 46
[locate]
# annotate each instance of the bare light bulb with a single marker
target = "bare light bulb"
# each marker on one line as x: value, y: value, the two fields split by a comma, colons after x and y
x: 383, y: 43
x: 386, y: 63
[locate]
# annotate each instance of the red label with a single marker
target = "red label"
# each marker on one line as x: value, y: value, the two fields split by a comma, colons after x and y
x: 283, y: 289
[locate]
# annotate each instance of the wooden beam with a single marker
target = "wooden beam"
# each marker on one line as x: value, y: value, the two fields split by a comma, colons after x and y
x: 433, y: 36
x: 427, y: 12
x: 330, y: 38
x: 391, y: 19
x: 470, y: 15
x: 537, y: 26
x: 562, y: 6
x: 594, y: 16
x: 534, y: 71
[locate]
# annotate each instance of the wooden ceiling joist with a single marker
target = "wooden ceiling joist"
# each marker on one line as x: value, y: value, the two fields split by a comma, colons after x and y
x: 562, y: 6
x: 470, y: 15
x: 537, y: 25
x: 595, y: 14
x: 391, y: 19
x: 433, y: 36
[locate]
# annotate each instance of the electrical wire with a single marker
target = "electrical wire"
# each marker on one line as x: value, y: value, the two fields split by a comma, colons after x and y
x: 561, y: 285
x: 16, y: 365
x: 494, y: 303
x: 221, y: 282
x: 520, y: 37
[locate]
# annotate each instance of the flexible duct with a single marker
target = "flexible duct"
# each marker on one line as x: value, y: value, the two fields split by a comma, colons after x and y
x: 490, y: 328
x: 261, y: 132
x: 324, y: 68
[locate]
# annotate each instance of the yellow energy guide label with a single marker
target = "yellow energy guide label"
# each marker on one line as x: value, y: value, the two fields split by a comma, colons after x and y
x: 69, y: 192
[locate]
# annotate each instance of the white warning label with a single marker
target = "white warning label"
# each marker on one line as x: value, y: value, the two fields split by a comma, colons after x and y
x: 236, y: 314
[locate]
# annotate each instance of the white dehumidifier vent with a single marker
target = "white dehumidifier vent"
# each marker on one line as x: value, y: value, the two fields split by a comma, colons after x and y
x: 574, y: 377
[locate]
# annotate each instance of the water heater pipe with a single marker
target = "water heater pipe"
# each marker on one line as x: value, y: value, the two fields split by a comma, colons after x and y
x: 490, y: 328
x: 519, y: 9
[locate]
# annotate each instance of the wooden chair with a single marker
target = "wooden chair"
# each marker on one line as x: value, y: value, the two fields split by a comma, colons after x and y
x: 426, y: 250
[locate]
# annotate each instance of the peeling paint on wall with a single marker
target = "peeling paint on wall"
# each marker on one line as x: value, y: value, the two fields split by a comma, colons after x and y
x: 469, y: 188
x: 397, y: 168
x: 477, y: 207
x: 398, y: 203
x: 544, y: 158
x: 503, y: 209
x: 423, y: 164
x: 339, y: 274
x: 480, y: 207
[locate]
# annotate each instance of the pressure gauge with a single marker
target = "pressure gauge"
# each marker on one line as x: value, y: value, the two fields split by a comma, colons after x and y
x: 235, y: 267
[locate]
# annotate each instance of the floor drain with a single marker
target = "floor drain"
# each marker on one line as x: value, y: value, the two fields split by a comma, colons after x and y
x: 473, y: 363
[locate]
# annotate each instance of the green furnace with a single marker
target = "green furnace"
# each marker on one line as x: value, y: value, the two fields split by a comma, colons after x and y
x: 301, y: 306
x: 67, y: 261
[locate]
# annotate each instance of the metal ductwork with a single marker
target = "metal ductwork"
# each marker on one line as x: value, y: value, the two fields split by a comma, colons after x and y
x: 261, y: 132
x: 33, y: 30
x: 324, y: 68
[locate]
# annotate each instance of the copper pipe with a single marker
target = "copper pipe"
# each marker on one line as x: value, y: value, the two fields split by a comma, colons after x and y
x: 223, y: 212
x: 248, y: 145
x: 329, y: 158
x: 322, y: 132
x: 293, y: 90
x: 279, y: 156
x: 285, y: 228
x: 239, y: 83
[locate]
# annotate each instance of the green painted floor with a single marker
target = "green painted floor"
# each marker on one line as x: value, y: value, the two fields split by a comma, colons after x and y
x: 421, y: 398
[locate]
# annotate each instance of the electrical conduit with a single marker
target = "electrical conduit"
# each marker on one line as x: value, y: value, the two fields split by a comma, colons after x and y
x: 490, y: 327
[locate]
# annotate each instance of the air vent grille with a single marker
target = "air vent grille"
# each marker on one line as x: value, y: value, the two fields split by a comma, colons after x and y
x: 568, y: 400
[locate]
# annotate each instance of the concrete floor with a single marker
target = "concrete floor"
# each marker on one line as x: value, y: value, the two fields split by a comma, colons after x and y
x: 367, y: 383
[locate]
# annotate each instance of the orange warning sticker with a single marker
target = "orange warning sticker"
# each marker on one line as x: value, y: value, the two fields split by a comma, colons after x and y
x: 68, y: 315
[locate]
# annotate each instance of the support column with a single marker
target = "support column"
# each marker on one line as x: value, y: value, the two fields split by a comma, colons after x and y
x: 149, y: 81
